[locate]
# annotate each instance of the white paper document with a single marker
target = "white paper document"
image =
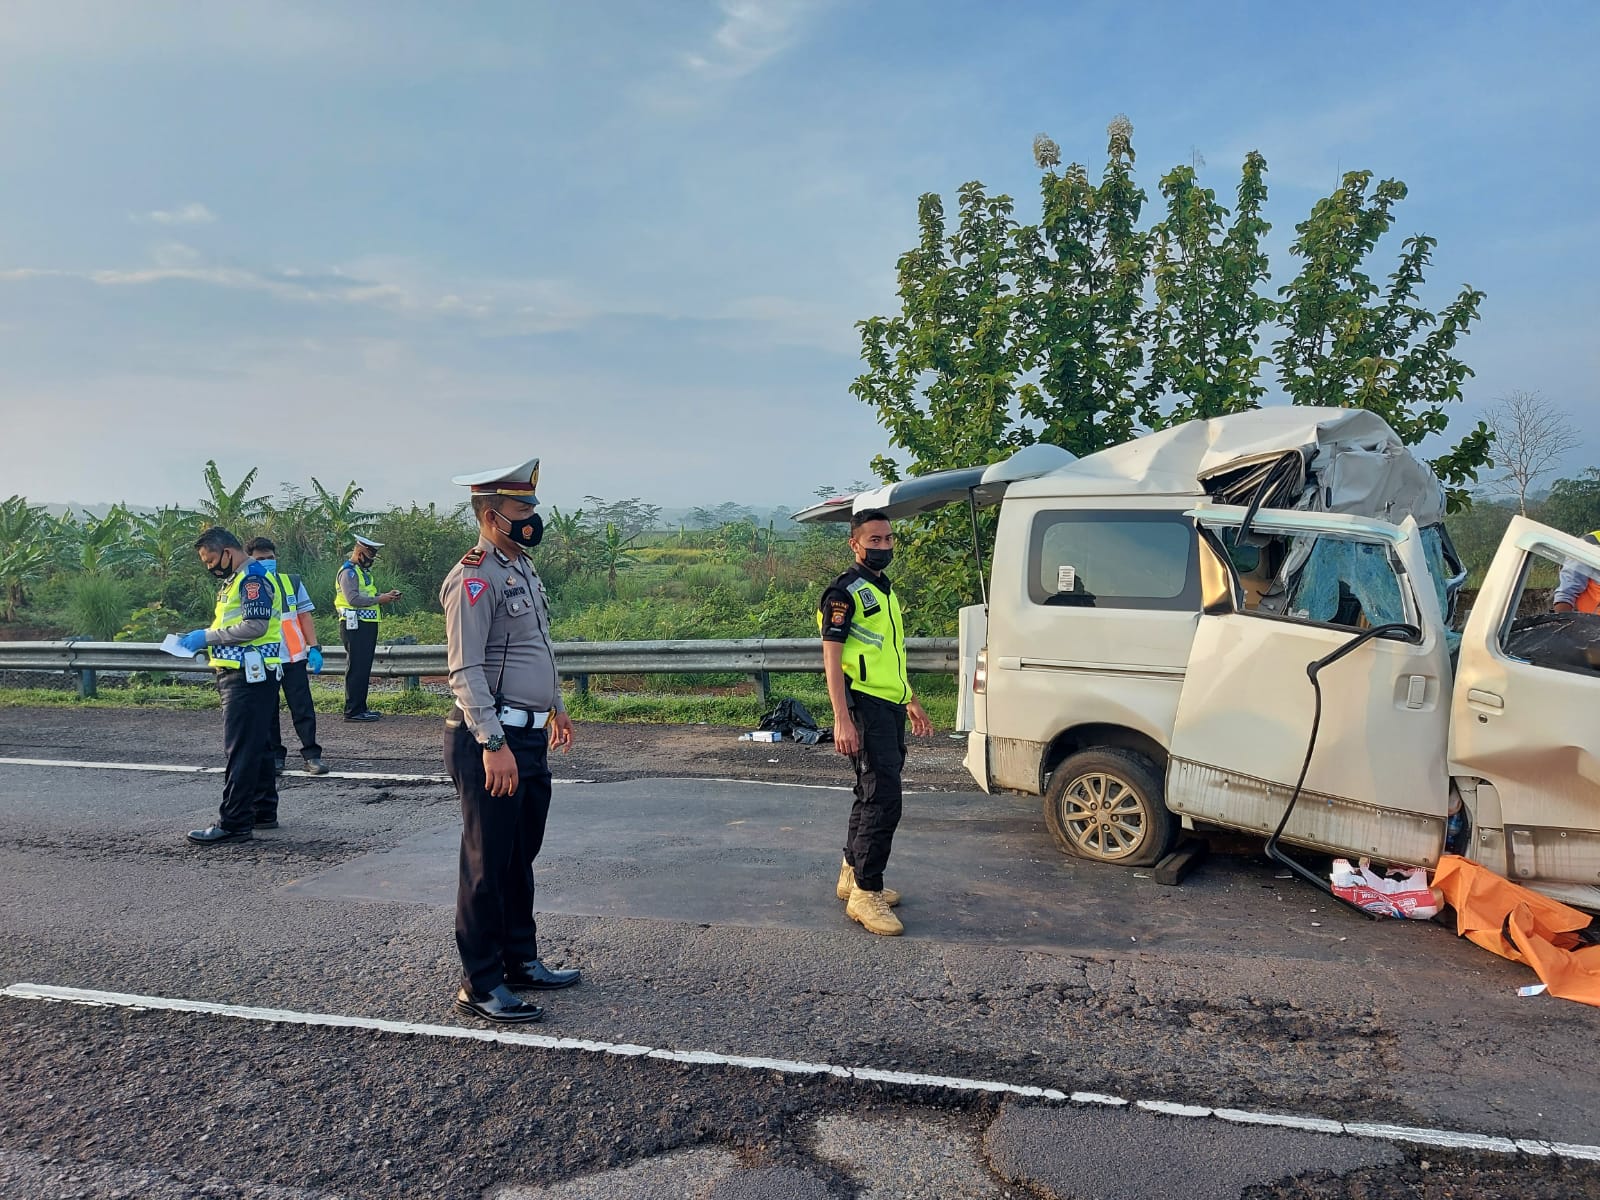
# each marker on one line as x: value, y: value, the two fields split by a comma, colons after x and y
x: 171, y: 646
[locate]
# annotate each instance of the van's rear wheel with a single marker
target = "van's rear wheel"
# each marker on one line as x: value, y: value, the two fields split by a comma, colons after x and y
x: 1109, y: 806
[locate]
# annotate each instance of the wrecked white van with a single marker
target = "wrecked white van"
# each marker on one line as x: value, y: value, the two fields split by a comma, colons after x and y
x: 1245, y: 623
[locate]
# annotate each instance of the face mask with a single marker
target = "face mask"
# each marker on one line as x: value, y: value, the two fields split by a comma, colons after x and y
x: 269, y: 565
x: 877, y: 560
x: 222, y: 570
x: 524, y: 531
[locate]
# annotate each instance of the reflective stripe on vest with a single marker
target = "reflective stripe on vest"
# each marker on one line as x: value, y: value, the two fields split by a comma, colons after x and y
x: 294, y: 639
x: 230, y: 612
x: 874, y: 658
x: 341, y: 605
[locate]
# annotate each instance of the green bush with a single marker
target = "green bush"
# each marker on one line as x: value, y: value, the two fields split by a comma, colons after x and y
x: 98, y: 607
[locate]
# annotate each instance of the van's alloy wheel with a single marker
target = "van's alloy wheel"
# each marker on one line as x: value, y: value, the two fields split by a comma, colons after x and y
x: 1109, y: 805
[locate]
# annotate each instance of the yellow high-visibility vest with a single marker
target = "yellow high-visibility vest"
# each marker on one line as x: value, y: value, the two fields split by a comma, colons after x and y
x: 230, y: 612
x: 874, y: 658
x: 364, y: 578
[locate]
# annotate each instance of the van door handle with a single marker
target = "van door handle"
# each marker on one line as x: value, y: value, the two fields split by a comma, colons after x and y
x: 1009, y: 663
x: 1487, y: 699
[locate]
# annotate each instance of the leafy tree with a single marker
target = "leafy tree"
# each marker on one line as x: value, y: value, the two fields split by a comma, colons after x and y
x: 421, y: 545
x: 1207, y: 274
x: 99, y: 545
x: 1347, y: 344
x: 1573, y: 505
x: 340, y: 516
x: 1086, y: 327
x: 1081, y: 276
x: 567, y: 551
x: 24, y: 551
x: 232, y: 508
x: 1530, y: 437
x: 161, y: 542
x: 631, y: 516
x: 611, y: 555
x: 298, y: 529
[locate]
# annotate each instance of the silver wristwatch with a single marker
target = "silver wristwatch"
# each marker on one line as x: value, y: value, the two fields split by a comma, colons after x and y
x: 494, y: 741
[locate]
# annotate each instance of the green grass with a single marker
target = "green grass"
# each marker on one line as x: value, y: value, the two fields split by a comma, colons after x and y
x: 644, y: 707
x: 184, y: 698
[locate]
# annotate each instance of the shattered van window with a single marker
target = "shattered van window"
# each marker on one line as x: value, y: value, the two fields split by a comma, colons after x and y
x: 1347, y: 583
x: 1091, y: 559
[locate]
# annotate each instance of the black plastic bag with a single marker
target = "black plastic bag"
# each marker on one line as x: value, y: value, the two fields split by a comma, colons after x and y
x: 795, y: 722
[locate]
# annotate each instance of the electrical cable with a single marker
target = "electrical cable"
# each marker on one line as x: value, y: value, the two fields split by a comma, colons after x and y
x: 1394, y: 631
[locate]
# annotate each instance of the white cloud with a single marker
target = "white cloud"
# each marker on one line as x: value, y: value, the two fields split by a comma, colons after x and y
x: 752, y: 31
x: 188, y: 214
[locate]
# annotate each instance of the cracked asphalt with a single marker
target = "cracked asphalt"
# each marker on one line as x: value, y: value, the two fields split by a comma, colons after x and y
x: 702, y: 915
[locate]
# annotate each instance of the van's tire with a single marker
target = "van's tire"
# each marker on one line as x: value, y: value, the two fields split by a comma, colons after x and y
x: 1110, y: 806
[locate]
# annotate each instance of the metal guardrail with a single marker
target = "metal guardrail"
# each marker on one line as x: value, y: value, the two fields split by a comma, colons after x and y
x: 757, y: 657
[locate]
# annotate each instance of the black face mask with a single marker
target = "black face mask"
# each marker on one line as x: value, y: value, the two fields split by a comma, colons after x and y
x: 221, y: 571
x: 877, y: 560
x: 525, y: 531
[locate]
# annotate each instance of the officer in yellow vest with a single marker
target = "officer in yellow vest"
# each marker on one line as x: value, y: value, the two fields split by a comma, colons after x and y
x: 243, y: 645
x: 359, y: 605
x: 864, y: 659
x: 1577, y: 588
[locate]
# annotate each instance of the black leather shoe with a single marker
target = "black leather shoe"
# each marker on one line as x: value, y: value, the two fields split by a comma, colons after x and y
x: 363, y: 716
x: 269, y: 823
x: 372, y: 716
x: 499, y: 1005
x: 213, y: 835
x: 534, y: 976
x: 314, y: 766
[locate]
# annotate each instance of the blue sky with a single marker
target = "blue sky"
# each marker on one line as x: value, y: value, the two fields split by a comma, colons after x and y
x: 392, y: 241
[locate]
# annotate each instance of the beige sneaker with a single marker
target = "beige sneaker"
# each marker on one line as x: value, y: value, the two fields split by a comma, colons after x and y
x: 870, y: 909
x: 847, y: 880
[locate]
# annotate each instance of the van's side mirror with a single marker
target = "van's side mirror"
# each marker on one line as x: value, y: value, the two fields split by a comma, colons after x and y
x: 1218, y: 595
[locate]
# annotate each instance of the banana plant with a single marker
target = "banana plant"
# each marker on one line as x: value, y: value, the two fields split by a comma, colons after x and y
x: 340, y: 516
x: 232, y: 508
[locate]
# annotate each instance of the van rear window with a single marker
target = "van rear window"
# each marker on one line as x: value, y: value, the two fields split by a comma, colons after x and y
x: 1116, y: 559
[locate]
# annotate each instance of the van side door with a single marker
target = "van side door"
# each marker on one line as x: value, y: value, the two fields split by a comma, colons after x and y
x: 1525, y: 721
x: 1376, y: 782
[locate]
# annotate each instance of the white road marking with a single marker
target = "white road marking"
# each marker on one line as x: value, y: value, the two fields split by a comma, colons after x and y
x: 1445, y: 1138
x: 184, y: 769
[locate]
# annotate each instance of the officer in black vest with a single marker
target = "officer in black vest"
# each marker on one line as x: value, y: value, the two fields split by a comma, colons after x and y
x: 508, y: 713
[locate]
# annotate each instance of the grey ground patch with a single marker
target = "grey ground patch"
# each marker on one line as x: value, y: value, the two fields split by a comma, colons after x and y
x: 690, y: 1174
x: 1118, y: 1154
x: 47, y: 1177
x: 769, y: 1183
x: 907, y: 1158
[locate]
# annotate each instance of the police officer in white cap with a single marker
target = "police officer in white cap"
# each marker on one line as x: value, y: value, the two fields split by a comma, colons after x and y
x: 508, y: 714
x: 360, y: 607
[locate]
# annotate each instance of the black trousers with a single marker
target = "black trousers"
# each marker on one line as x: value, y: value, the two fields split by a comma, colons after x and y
x: 359, y: 643
x: 500, y: 837
x: 879, y: 763
x: 249, y: 789
x: 297, y: 691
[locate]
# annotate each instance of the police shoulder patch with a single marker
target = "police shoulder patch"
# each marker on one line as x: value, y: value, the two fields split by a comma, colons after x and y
x: 475, y: 588
x: 473, y: 557
x: 251, y: 590
x: 838, y: 612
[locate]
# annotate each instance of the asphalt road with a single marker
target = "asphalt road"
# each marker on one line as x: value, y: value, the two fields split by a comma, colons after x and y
x: 1045, y: 1028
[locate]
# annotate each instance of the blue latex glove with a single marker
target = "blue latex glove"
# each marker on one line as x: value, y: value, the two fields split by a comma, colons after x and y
x: 193, y: 641
x: 314, y: 657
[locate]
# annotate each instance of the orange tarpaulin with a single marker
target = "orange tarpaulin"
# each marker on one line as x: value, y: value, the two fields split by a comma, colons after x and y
x: 1523, y: 926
